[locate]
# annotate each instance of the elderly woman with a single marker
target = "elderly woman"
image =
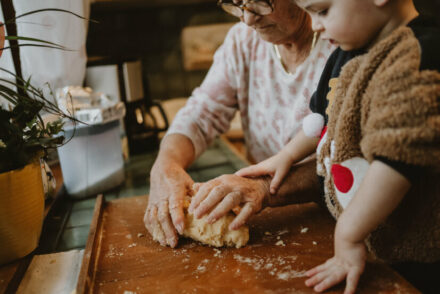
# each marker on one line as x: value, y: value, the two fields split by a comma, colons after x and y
x: 267, y: 69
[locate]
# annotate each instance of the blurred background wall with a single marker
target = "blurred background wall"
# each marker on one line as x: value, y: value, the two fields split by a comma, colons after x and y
x: 151, y: 30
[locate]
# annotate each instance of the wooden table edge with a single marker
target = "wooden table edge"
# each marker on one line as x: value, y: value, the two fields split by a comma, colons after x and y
x: 85, y: 279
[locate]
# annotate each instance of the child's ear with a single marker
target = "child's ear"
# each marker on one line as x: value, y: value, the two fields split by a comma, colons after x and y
x: 380, y: 3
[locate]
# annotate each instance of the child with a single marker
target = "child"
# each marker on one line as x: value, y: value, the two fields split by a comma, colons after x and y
x: 379, y: 158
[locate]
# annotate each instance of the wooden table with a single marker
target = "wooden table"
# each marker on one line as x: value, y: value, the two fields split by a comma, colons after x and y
x: 120, y: 256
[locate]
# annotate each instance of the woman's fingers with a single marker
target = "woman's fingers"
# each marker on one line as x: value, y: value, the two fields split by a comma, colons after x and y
x: 252, y: 171
x: 213, y: 198
x: 227, y: 204
x: 196, y: 187
x: 242, y: 217
x: 175, y: 208
x: 147, y: 222
x: 199, y: 197
x: 156, y: 229
x: 165, y: 223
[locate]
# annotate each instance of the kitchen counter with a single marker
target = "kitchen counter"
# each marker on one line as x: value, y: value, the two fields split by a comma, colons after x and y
x: 121, y: 257
x: 300, y: 235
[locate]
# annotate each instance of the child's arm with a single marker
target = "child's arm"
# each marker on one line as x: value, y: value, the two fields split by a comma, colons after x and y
x: 379, y: 194
x: 279, y: 165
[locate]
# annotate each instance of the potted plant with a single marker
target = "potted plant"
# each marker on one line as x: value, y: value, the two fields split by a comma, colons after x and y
x: 24, y: 138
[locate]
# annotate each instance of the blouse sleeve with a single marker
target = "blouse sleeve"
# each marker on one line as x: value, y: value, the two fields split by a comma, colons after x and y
x: 211, y: 107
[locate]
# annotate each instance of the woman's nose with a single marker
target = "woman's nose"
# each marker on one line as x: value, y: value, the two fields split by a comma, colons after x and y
x: 250, y: 18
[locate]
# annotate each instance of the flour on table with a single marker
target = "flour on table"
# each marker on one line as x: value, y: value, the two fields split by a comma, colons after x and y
x: 279, y: 233
x: 277, y: 266
x: 218, y: 253
x: 280, y: 243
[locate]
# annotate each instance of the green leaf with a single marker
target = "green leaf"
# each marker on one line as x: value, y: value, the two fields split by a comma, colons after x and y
x: 33, y: 39
x: 50, y: 9
x: 23, y: 133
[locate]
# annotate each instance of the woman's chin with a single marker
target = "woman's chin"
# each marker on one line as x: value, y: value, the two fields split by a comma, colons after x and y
x: 268, y: 37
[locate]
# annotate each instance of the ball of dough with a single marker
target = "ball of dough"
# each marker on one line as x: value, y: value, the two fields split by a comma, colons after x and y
x: 216, y: 234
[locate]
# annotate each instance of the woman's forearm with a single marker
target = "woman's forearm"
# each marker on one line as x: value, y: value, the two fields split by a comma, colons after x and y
x: 178, y: 149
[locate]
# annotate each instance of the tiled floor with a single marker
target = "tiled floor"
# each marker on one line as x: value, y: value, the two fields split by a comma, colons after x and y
x: 217, y: 160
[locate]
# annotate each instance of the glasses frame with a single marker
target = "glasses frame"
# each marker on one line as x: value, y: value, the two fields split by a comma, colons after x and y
x: 244, y: 7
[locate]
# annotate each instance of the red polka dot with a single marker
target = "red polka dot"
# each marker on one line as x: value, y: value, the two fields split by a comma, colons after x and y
x: 342, y: 177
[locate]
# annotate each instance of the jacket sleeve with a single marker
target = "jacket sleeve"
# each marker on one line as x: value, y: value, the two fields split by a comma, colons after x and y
x: 211, y: 107
x: 402, y: 111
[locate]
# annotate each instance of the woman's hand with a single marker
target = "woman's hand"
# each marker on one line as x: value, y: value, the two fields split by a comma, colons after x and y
x: 348, y: 263
x: 164, y: 215
x: 277, y: 167
x: 222, y: 194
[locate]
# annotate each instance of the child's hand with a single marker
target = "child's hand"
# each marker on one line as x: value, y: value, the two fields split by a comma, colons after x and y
x: 276, y: 166
x: 348, y: 263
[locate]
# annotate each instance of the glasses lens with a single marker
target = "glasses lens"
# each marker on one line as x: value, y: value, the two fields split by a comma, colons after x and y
x: 260, y: 7
x: 232, y: 9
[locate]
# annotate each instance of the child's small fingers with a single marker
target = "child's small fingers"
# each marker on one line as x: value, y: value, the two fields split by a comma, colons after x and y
x: 251, y: 171
x: 311, y: 272
x: 273, y: 187
x: 328, y: 282
x: 316, y: 270
x: 276, y: 181
x: 317, y: 278
x: 352, y: 281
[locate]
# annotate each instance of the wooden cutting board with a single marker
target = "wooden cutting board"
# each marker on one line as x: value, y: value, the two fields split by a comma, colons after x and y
x: 121, y: 257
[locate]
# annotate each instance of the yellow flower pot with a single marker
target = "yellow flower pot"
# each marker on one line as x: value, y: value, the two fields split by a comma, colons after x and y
x: 21, y: 211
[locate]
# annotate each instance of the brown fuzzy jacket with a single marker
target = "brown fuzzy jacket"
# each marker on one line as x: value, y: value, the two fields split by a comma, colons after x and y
x: 384, y: 106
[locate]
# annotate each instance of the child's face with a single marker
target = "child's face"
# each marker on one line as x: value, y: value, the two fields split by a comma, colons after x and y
x: 350, y: 24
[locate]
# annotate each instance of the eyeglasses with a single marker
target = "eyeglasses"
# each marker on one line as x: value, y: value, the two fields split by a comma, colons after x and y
x: 257, y: 7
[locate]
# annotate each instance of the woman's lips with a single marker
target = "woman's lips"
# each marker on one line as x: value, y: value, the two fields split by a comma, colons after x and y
x: 262, y: 28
